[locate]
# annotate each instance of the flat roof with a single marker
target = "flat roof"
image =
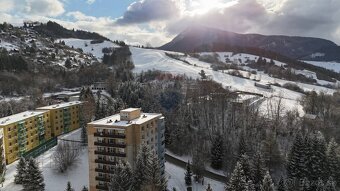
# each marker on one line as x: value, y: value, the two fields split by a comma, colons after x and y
x: 114, y: 120
x: 129, y: 109
x: 20, y: 117
x: 60, y: 105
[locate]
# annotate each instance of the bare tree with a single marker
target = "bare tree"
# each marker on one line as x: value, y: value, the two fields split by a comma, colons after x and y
x: 66, y: 154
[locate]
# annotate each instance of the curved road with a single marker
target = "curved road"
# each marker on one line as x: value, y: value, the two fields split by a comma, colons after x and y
x: 182, y: 164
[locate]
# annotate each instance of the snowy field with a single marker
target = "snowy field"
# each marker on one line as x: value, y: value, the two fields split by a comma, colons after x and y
x: 328, y: 65
x: 78, y: 174
x: 94, y: 49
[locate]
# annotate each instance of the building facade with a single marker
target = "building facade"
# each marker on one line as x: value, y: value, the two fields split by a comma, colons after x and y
x: 64, y: 117
x: 119, y: 138
x: 23, y: 132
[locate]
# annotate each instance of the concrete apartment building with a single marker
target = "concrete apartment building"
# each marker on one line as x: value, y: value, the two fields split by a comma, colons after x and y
x: 23, y: 132
x: 118, y: 138
x: 64, y: 117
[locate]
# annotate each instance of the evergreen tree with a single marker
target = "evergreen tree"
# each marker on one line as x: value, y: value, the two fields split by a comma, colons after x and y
x: 305, y: 185
x: 267, y: 183
x: 330, y: 185
x: 188, y: 175
x: 317, y: 161
x: 85, y: 189
x: 209, y: 188
x: 333, y: 161
x: 250, y: 186
x: 197, y: 162
x: 319, y: 185
x: 282, y: 185
x: 155, y: 180
x: 141, y: 167
x: 217, y: 153
x: 69, y: 187
x: 246, y: 167
x: 259, y: 170
x: 203, y: 75
x: 33, y: 179
x: 242, y: 145
x: 21, y: 171
x: 237, y: 181
x: 296, y: 160
x: 122, y: 178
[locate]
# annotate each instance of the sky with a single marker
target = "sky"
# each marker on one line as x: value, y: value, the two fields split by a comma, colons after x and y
x: 158, y: 21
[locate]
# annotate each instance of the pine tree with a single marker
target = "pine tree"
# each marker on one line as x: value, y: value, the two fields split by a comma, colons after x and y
x: 69, y: 187
x: 330, y: 185
x: 217, y: 153
x: 155, y: 179
x: 305, y: 185
x: 267, y: 183
x: 296, y: 160
x: 259, y: 170
x: 197, y: 162
x: 250, y: 186
x: 122, y: 178
x: 85, y: 189
x: 141, y: 167
x: 317, y: 161
x: 242, y: 145
x: 237, y: 181
x: 333, y: 161
x: 282, y: 185
x: 21, y: 171
x: 209, y: 188
x: 33, y: 179
x: 188, y: 175
x: 246, y: 167
x: 319, y: 186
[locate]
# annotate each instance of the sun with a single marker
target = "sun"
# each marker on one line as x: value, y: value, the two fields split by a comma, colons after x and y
x: 203, y: 6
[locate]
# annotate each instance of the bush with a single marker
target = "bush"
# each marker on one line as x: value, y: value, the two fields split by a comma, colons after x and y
x: 293, y: 87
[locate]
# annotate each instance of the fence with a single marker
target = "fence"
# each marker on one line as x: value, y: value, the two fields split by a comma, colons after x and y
x: 41, y: 148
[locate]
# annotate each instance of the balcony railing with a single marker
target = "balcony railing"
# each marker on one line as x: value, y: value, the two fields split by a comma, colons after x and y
x: 105, y: 144
x: 110, y: 153
x: 114, y: 135
x: 108, y: 171
x: 102, y: 179
x: 102, y: 187
x: 101, y: 161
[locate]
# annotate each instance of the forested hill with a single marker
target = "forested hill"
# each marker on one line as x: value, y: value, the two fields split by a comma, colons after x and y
x: 55, y: 30
x: 204, y: 39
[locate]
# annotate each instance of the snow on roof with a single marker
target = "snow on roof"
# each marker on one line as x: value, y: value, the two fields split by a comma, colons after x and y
x: 130, y: 109
x: 61, y: 105
x: 20, y: 116
x: 114, y: 120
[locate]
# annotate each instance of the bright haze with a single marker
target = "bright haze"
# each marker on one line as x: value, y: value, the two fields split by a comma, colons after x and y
x: 158, y: 21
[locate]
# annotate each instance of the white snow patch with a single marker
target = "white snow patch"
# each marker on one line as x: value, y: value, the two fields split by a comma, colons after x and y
x: 328, y: 65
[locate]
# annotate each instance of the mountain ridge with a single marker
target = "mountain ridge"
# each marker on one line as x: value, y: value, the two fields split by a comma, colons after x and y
x: 200, y: 38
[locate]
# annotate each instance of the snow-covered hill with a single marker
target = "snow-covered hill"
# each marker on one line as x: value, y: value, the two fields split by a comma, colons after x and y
x: 328, y: 65
x: 96, y: 49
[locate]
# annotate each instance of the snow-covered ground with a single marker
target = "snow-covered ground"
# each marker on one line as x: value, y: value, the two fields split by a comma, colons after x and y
x: 87, y: 47
x: 176, y: 180
x: 78, y: 174
x: 328, y: 65
x: 147, y: 59
x: 7, y: 46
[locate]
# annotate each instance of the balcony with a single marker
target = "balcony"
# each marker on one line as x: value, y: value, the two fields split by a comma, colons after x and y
x: 107, y: 171
x: 102, y: 187
x: 102, y: 179
x: 117, y: 154
x: 118, y: 145
x: 115, y: 135
x: 101, y: 161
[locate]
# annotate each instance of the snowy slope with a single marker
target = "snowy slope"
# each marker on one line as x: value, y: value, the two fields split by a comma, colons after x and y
x: 7, y: 46
x: 328, y: 65
x: 87, y: 47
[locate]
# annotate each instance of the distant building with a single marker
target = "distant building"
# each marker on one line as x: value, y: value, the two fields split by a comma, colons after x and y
x: 99, y: 86
x: 118, y: 138
x: 64, y: 117
x: 24, y: 132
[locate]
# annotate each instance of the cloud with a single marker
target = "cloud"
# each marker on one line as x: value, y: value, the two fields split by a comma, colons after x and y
x: 90, y: 2
x: 150, y: 10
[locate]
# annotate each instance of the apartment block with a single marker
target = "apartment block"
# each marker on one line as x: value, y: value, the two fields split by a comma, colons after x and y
x: 64, y: 117
x: 119, y: 138
x: 23, y: 132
